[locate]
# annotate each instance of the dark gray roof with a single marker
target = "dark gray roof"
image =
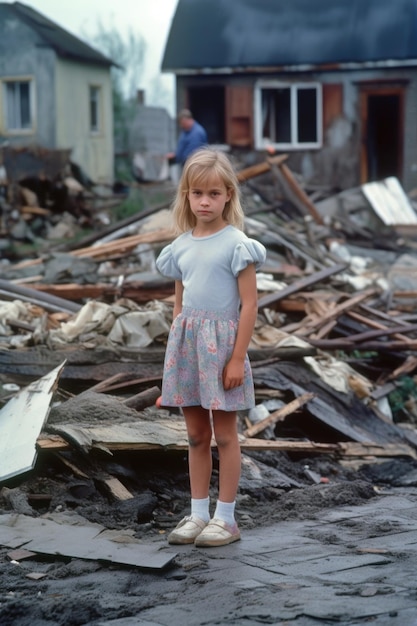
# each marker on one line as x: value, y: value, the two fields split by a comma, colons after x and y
x: 261, y: 33
x: 64, y: 43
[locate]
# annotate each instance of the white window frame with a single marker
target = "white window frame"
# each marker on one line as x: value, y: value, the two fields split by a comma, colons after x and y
x: 95, y: 96
x: 294, y: 144
x: 8, y: 127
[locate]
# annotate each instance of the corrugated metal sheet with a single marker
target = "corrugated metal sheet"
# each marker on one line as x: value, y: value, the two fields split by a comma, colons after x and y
x: 264, y: 33
x: 390, y: 202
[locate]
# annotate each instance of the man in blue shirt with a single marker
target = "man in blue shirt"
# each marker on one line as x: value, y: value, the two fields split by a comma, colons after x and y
x: 192, y: 137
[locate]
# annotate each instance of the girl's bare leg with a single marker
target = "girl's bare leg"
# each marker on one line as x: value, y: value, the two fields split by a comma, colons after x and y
x: 200, y: 463
x: 226, y: 435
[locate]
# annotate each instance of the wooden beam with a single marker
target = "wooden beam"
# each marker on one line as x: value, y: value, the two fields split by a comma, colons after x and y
x: 344, y: 449
x: 335, y: 312
x: 112, y: 486
x: 299, y: 285
x: 356, y: 449
x: 279, y: 415
x: 56, y: 443
x: 300, y: 193
x: 139, y: 292
x: 123, y: 246
x: 260, y: 168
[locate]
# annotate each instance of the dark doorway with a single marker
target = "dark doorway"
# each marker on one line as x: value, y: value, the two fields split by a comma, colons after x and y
x: 208, y: 107
x: 382, y: 135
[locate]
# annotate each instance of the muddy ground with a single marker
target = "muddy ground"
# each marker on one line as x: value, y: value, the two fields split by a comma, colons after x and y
x: 274, y: 487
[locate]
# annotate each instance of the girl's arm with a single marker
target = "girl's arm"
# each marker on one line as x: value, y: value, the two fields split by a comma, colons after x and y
x: 233, y: 373
x: 179, y: 288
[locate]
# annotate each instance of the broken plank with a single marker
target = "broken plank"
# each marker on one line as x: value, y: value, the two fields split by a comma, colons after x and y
x: 260, y: 168
x: 34, y: 210
x: 382, y: 332
x: 143, y: 399
x: 366, y: 346
x: 356, y: 449
x: 133, y: 382
x: 278, y: 415
x: 407, y: 367
x: 381, y: 314
x: 115, y: 230
x: 299, y: 285
x: 377, y: 325
x: 11, y: 291
x: 54, y: 443
x: 326, y: 329
x: 114, y: 487
x: 283, y: 445
x: 300, y: 193
x: 48, y: 442
x: 123, y: 246
x: 71, y: 466
x: 103, y: 385
x: 336, y: 311
x: 139, y: 292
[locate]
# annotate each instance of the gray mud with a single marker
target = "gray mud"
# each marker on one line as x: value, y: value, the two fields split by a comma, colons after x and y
x: 76, y: 592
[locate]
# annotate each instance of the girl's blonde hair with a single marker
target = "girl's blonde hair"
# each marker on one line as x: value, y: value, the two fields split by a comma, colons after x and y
x: 201, y: 165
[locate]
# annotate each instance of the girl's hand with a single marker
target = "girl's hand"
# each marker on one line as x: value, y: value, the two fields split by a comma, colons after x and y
x: 233, y: 374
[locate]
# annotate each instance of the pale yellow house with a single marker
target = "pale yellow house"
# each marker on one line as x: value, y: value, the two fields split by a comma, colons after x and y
x: 55, y: 91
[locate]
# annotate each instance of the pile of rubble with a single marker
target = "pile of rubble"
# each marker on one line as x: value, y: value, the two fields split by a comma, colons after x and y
x: 45, y: 197
x: 83, y: 328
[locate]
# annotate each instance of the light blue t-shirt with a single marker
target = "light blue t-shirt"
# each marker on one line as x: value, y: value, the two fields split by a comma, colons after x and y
x: 208, y: 266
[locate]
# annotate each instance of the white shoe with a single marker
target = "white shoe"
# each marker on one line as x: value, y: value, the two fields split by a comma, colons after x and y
x: 187, y: 530
x: 217, y: 533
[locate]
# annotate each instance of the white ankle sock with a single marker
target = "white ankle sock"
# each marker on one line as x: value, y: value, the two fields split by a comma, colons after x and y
x: 200, y: 508
x: 225, y: 511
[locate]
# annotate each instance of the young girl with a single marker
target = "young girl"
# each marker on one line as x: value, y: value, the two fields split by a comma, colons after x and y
x: 207, y: 371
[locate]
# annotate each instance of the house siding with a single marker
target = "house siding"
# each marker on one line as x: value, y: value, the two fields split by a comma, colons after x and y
x: 21, y: 56
x: 346, y: 152
x: 93, y: 151
x: 363, y: 82
x: 59, y: 93
x: 337, y: 163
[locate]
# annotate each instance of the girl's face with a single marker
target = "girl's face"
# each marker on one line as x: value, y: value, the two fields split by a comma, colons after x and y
x: 207, y: 201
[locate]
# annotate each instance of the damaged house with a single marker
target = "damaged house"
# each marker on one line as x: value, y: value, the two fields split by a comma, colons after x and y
x: 55, y: 91
x: 332, y: 83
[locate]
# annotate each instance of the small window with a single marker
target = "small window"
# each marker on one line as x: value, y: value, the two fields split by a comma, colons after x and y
x: 95, y: 109
x: 18, y: 105
x: 288, y: 116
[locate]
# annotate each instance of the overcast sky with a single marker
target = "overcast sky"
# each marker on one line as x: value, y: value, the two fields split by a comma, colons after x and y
x: 151, y: 18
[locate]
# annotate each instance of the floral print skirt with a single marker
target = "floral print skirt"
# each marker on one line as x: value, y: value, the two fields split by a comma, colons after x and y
x: 199, y: 345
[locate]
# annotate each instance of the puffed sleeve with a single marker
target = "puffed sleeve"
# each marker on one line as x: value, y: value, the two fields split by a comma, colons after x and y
x: 247, y: 252
x: 166, y: 265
